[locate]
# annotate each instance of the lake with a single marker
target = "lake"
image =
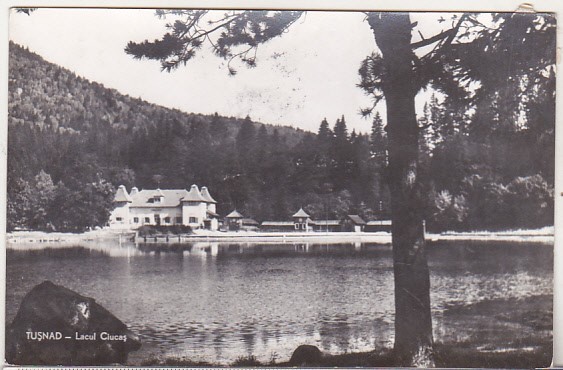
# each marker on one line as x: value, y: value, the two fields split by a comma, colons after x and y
x: 218, y: 302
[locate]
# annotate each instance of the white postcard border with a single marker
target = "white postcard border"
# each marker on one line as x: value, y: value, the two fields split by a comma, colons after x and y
x: 390, y: 5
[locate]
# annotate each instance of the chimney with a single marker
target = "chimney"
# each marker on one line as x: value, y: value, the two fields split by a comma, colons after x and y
x: 134, y: 190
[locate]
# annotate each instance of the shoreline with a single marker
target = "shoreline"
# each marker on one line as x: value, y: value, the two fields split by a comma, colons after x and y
x: 273, y: 237
x: 447, y: 355
x: 544, y: 235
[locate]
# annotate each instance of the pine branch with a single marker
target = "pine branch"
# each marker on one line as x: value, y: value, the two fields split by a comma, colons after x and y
x: 425, y: 42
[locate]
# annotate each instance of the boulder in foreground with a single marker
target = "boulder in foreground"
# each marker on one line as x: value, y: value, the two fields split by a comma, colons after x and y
x: 57, y: 326
x: 306, y: 355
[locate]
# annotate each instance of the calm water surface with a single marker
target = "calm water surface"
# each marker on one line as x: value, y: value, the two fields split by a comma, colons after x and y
x: 218, y: 302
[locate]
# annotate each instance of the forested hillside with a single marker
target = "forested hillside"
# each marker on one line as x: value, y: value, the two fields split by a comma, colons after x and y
x: 67, y: 135
x: 72, y: 142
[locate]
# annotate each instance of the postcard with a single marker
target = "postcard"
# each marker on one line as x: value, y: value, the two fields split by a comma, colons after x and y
x: 230, y: 186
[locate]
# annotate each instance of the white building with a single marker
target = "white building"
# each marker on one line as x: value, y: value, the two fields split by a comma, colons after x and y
x: 193, y: 208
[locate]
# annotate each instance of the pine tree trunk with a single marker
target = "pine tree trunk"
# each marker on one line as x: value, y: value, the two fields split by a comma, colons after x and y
x: 413, y: 322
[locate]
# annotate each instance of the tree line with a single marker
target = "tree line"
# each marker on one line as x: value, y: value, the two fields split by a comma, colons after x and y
x: 72, y: 142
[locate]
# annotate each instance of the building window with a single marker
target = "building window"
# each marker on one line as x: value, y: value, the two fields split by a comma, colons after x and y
x: 296, y: 226
x: 136, y: 220
x: 156, y: 200
x: 119, y: 219
x: 166, y: 220
x: 147, y: 220
x: 178, y: 220
x: 193, y: 220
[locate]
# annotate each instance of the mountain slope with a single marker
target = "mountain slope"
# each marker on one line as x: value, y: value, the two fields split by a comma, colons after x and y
x: 48, y: 96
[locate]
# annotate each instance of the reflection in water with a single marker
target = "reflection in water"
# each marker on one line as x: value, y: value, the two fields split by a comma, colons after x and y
x: 217, y: 302
x: 338, y: 324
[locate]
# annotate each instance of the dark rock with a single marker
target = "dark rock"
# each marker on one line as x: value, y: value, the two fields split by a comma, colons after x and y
x: 57, y: 316
x: 306, y: 355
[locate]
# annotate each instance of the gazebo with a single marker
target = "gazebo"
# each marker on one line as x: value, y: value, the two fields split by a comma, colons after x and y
x: 301, y: 220
x: 234, y: 220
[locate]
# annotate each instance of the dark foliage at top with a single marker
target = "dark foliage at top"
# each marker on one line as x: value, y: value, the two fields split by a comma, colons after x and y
x: 240, y: 33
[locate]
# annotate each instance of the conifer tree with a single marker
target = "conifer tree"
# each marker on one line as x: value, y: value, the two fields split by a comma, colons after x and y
x: 324, y: 134
x: 378, y: 142
x: 245, y: 141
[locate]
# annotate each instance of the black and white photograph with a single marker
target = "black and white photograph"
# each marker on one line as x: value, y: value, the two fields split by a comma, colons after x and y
x: 215, y: 187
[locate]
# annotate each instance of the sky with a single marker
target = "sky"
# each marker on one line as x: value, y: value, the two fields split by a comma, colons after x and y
x: 307, y: 74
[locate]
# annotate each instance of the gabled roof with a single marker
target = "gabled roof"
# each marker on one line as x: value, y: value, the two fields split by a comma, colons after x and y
x: 278, y: 223
x: 193, y: 195
x: 169, y: 198
x: 249, y: 221
x: 301, y: 213
x: 234, y: 214
x: 205, y: 194
x: 380, y: 222
x: 357, y: 219
x: 121, y: 195
x: 327, y: 222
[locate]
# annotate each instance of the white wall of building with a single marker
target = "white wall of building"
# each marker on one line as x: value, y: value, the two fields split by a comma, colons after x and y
x: 119, y: 217
x: 211, y: 207
x: 194, y: 214
x: 139, y: 216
